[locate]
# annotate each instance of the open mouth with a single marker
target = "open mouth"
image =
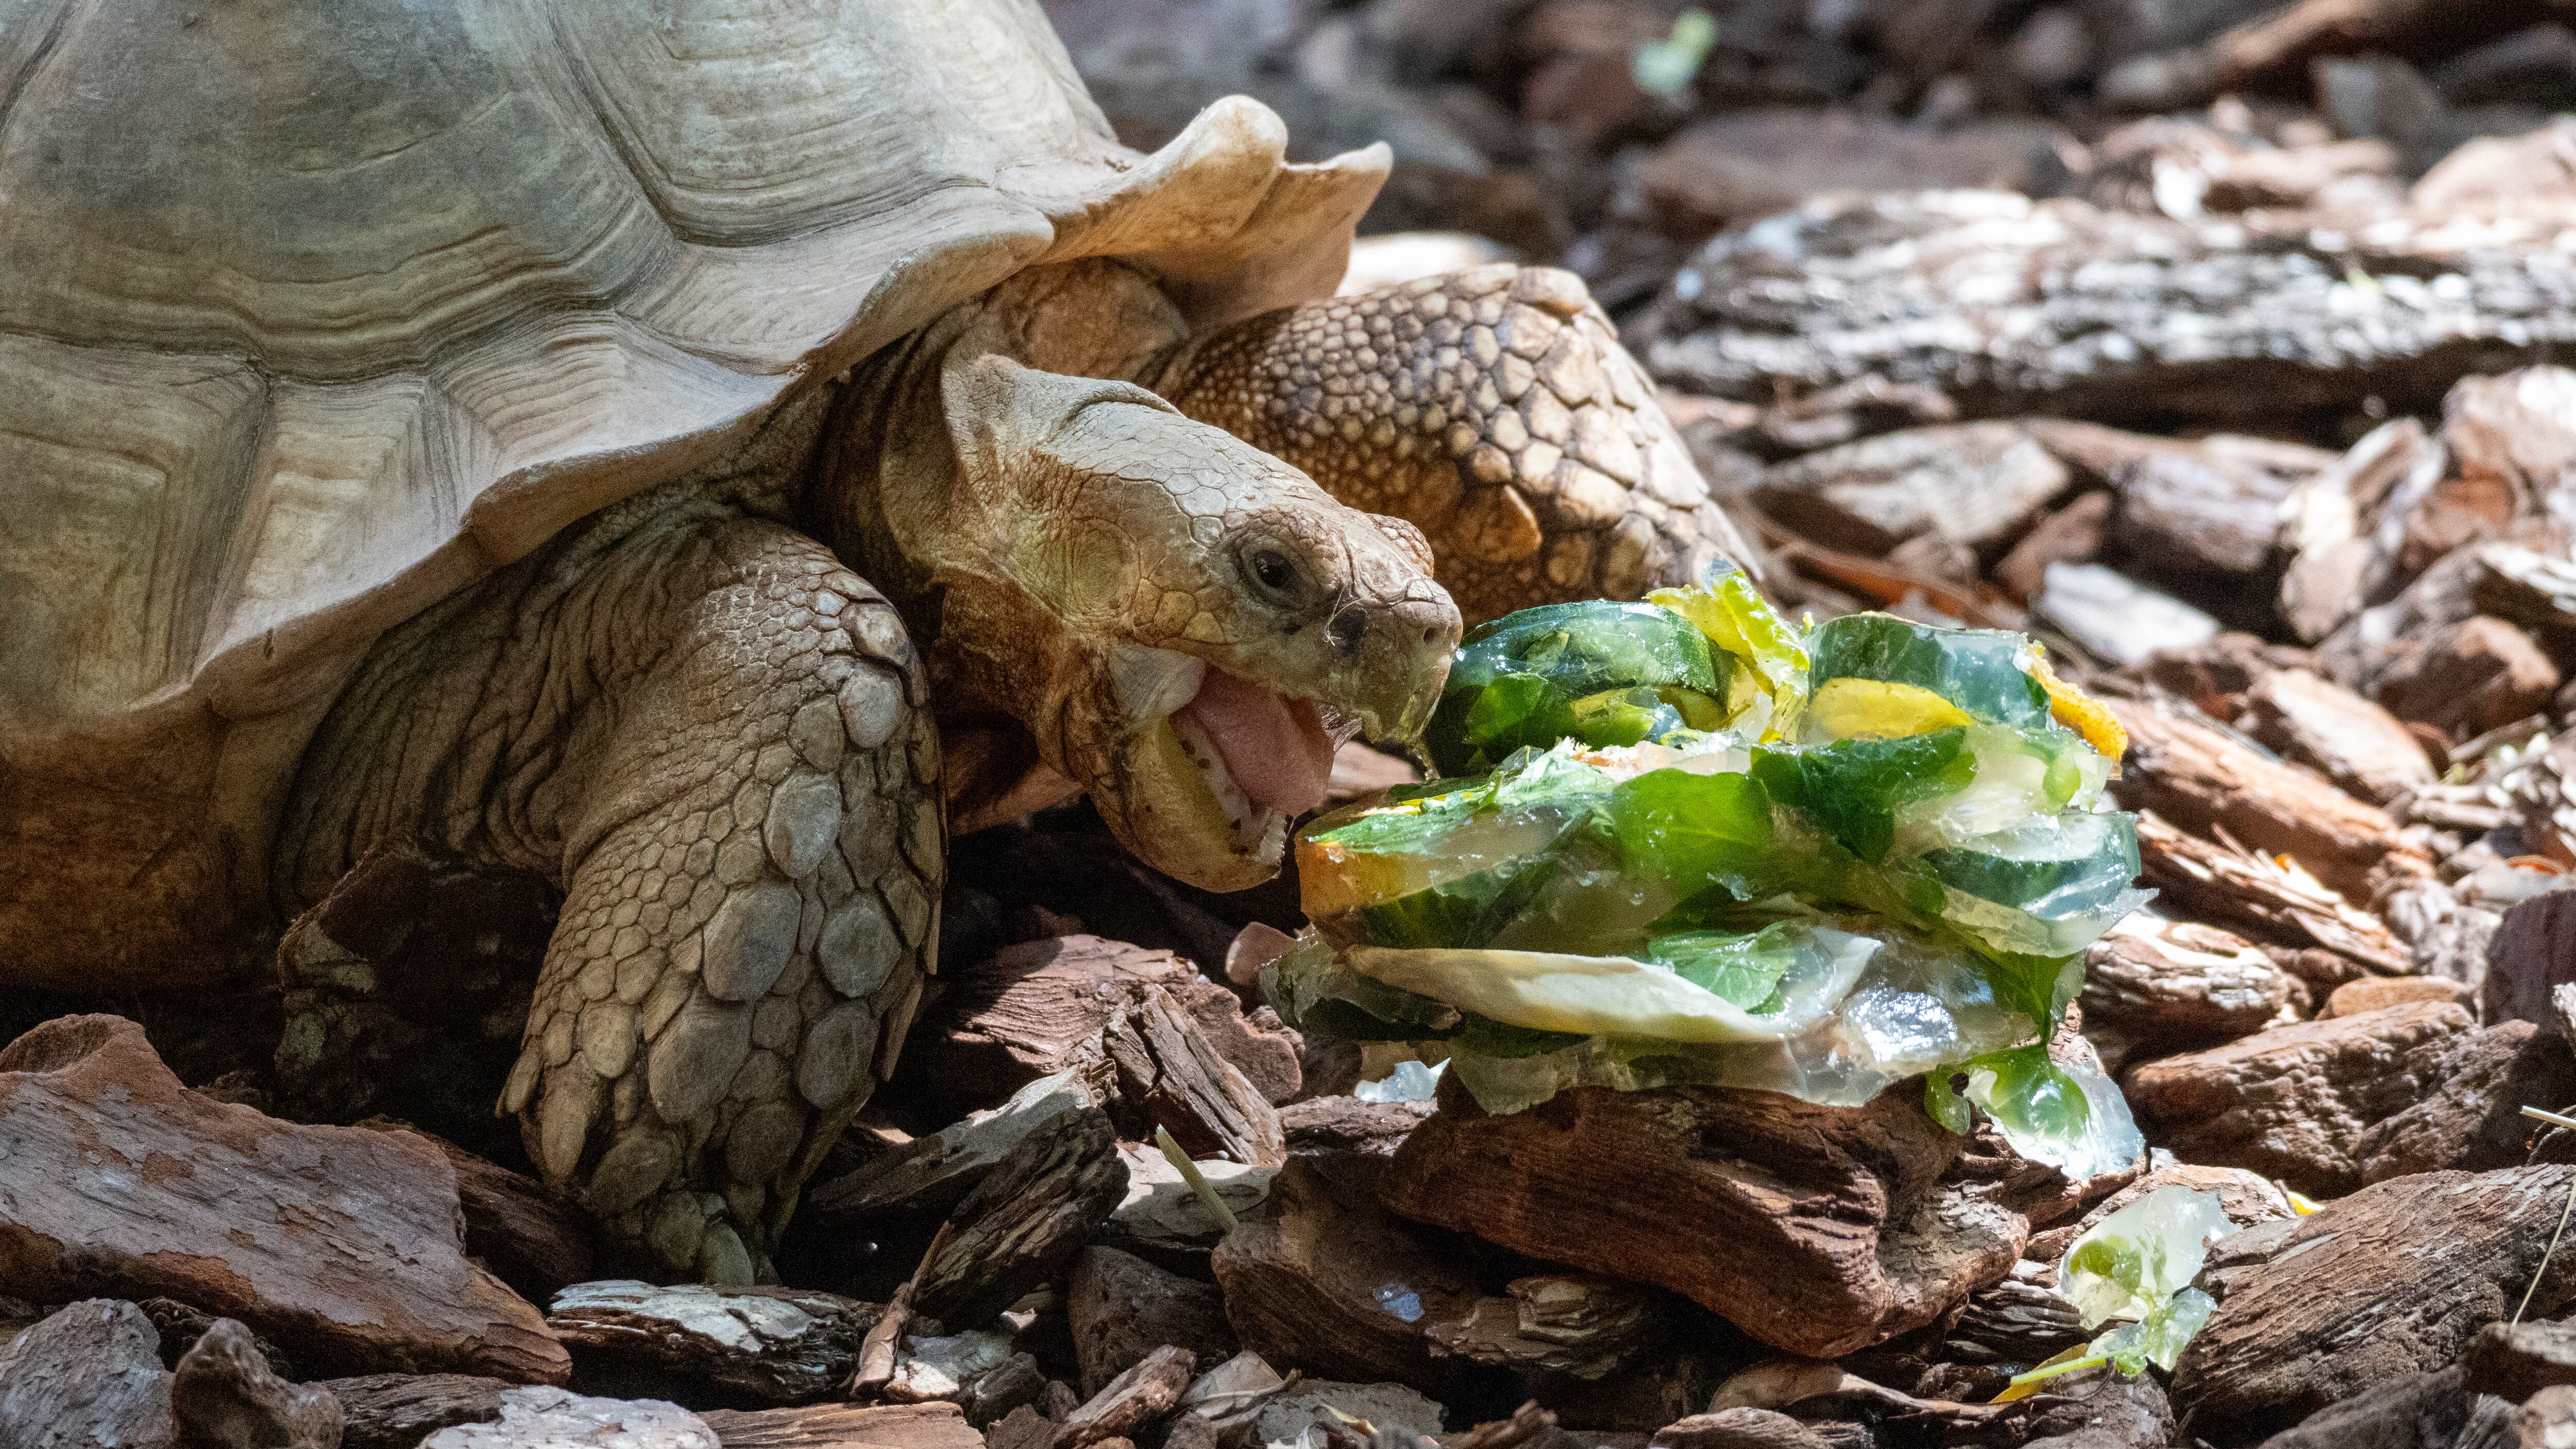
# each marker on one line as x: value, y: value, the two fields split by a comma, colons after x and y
x: 1264, y: 758
x: 1267, y: 758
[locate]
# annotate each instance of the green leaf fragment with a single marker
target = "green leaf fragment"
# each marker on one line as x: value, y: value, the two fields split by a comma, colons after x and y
x: 2138, y: 1265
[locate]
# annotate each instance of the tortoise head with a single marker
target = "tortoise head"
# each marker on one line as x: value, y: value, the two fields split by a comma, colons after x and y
x: 1184, y: 624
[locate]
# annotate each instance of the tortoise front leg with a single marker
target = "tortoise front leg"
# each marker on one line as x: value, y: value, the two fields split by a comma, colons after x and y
x: 1494, y: 409
x: 742, y: 943
x: 712, y: 737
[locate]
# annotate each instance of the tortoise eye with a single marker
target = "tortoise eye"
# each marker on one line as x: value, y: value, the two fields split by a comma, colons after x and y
x: 1273, y: 570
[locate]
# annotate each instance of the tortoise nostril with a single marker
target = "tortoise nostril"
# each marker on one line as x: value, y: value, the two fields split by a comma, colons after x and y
x: 1345, y: 629
x: 1428, y: 631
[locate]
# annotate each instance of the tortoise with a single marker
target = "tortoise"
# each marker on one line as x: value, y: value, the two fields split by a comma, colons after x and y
x: 703, y: 457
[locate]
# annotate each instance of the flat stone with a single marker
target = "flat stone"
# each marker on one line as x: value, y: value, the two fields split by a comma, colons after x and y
x: 338, y: 1243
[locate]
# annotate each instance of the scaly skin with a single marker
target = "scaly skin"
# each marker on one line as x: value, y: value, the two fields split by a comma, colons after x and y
x: 698, y: 716
x: 1495, y: 409
x: 706, y: 728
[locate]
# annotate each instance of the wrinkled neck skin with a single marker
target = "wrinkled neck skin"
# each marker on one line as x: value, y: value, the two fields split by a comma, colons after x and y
x: 1076, y: 558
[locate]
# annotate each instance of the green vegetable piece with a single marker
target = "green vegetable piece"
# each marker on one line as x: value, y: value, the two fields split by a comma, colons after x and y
x: 1745, y: 628
x: 2053, y: 868
x: 1312, y: 990
x: 1516, y: 682
x: 2138, y: 1264
x: 1745, y: 969
x: 1485, y: 1037
x: 1622, y: 717
x: 1465, y: 911
x: 1698, y: 832
x: 1853, y: 789
x: 1979, y: 670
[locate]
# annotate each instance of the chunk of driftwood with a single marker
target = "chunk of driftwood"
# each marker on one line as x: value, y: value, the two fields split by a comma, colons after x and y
x: 1818, y: 1229
x: 2225, y: 884
x: 338, y: 1243
x: 933, y: 1174
x: 1024, y: 1222
x: 1348, y: 1140
x: 397, y: 1411
x: 531, y: 1239
x: 89, y: 1374
x: 1123, y: 1308
x: 2296, y: 1102
x: 2350, y: 1299
x: 2153, y: 986
x: 2422, y: 1410
x: 770, y: 1345
x: 845, y: 1426
x: 543, y: 1418
x: 2200, y: 777
x: 2017, y: 306
x: 1135, y: 1399
x: 223, y: 1396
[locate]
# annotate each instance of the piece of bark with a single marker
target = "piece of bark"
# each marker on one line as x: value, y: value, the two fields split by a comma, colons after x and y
x: 2467, y: 678
x: 2313, y: 721
x: 2375, y: 993
x: 123, y: 1181
x: 933, y: 1174
x: 2351, y: 1298
x: 2274, y: 903
x: 1326, y: 1403
x: 2015, y: 306
x: 2114, y: 616
x: 956, y: 1367
x: 2532, y: 589
x: 2153, y: 986
x: 1024, y: 1222
x: 2179, y: 514
x: 182, y: 1324
x: 1821, y: 1229
x: 2517, y: 1360
x: 771, y: 1345
x: 845, y: 1426
x: 1170, y: 1073
x: 1022, y: 1428
x: 2217, y: 675
x: 1736, y: 167
x: 397, y: 1411
x: 1259, y: 1045
x: 529, y: 1238
x: 2198, y: 776
x: 1970, y: 484
x: 1348, y: 1140
x: 2296, y: 1102
x: 1737, y: 1429
x: 2472, y: 1120
x: 544, y: 1418
x: 2013, y: 1321
x: 1580, y: 1325
x: 1123, y: 1308
x: 2424, y: 1410
x: 1163, y: 1219
x: 1033, y: 1010
x: 223, y: 1396
x: 1302, y: 1277
x: 2072, y: 534
x: 2332, y: 518
x: 1130, y: 1402
x: 90, y: 1374
x: 2532, y: 953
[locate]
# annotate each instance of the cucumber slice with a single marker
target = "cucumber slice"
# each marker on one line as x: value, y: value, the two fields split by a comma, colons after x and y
x: 1587, y: 671
x: 1981, y: 671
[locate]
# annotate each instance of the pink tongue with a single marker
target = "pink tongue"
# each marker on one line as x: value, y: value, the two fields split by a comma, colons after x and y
x: 1275, y: 748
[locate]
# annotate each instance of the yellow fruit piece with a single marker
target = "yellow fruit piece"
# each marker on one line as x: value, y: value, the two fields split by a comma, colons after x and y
x: 2077, y: 710
x: 1847, y: 709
